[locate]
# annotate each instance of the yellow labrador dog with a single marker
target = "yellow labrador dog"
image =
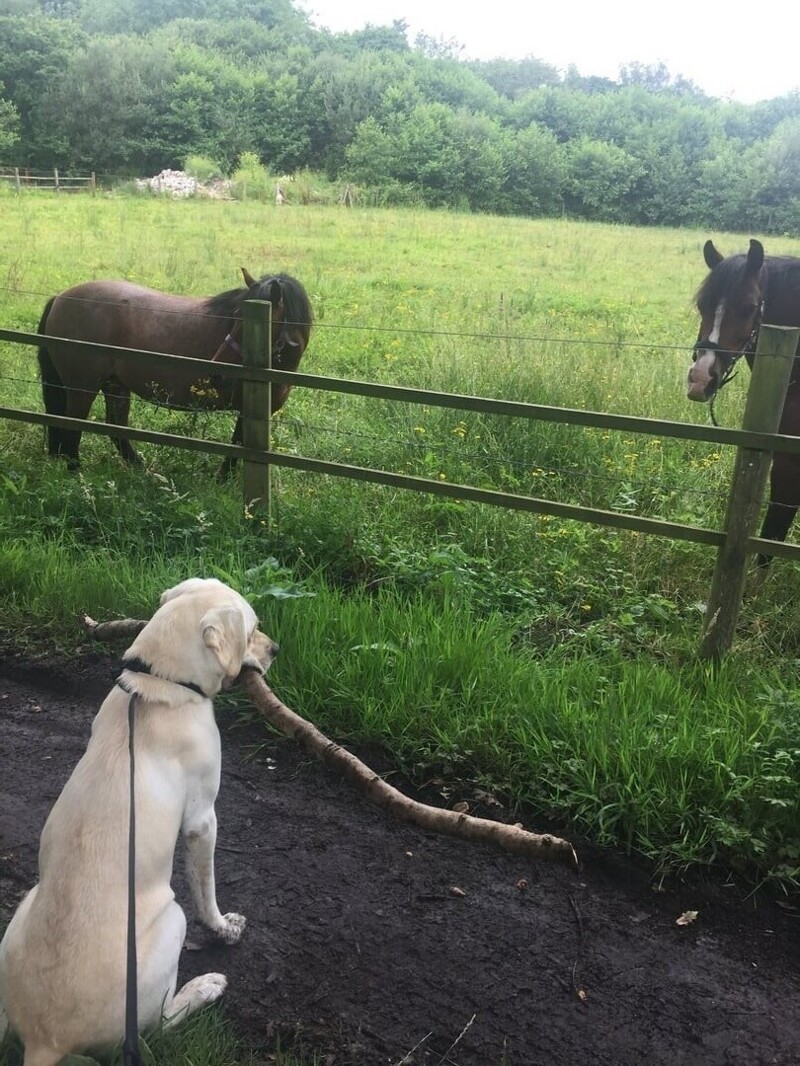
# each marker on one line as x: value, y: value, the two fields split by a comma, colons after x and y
x: 62, y: 959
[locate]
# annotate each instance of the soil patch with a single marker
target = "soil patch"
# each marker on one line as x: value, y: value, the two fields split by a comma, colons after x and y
x: 357, y: 945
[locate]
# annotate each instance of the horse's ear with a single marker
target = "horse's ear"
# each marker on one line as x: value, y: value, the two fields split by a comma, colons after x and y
x: 275, y: 293
x: 249, y: 280
x: 711, y: 255
x: 755, y: 257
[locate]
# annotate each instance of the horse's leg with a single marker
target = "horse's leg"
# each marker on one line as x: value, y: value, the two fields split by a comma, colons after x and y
x: 118, y: 409
x: 77, y: 404
x: 52, y: 391
x: 229, y: 462
x: 784, y: 498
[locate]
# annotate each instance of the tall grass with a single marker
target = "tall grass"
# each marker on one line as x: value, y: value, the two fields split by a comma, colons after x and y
x: 554, y: 659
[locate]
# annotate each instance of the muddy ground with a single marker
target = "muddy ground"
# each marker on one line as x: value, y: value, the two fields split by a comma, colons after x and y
x: 357, y: 945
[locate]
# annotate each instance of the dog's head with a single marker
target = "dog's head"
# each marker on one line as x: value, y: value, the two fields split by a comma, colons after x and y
x: 205, y: 633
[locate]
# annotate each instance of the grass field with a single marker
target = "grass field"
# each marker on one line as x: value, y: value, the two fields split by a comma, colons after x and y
x: 551, y: 658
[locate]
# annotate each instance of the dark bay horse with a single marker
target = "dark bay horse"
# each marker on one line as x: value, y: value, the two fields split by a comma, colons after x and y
x: 125, y: 315
x: 740, y: 293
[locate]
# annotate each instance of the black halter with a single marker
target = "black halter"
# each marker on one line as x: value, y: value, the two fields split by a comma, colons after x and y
x: 748, y: 348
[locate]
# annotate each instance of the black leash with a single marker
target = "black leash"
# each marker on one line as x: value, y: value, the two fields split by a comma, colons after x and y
x: 130, y: 1045
x: 729, y: 375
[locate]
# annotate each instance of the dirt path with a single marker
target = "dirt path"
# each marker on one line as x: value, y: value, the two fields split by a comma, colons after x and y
x: 356, y: 943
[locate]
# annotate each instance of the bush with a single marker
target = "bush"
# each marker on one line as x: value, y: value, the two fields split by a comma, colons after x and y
x: 202, y: 169
x: 252, y: 180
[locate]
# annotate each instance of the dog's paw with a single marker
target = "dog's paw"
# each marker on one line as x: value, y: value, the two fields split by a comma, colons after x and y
x: 231, y: 932
x: 208, y: 987
x: 195, y: 994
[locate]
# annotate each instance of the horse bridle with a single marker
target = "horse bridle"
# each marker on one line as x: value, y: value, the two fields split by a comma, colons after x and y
x: 748, y: 348
x: 277, y: 349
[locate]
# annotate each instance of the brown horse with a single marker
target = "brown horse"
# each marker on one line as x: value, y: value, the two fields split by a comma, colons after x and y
x: 740, y: 293
x: 125, y: 315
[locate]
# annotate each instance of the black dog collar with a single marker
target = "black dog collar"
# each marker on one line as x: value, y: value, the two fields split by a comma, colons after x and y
x: 139, y: 666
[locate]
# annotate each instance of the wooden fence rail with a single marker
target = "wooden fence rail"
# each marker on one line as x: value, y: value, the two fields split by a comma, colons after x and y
x: 776, y: 347
x: 55, y: 181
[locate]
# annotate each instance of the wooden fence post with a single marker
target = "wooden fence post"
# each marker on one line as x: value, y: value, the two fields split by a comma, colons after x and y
x: 770, y: 376
x: 257, y: 402
x: 16, y: 179
x: 55, y: 179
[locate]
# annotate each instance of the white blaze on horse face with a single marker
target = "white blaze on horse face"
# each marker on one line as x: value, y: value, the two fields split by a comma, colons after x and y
x: 716, y: 329
x: 700, y: 372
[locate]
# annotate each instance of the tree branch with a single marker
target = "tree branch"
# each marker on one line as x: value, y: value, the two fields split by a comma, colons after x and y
x: 452, y: 823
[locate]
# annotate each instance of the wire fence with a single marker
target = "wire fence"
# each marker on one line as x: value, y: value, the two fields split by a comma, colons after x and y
x: 444, y: 449
x: 309, y: 428
x: 756, y: 445
x: 304, y: 431
x: 361, y: 329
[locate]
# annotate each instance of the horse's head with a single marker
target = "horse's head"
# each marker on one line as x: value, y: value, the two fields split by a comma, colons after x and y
x: 291, y: 315
x: 731, y: 305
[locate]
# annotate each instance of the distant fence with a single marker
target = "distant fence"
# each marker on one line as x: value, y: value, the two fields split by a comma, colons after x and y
x: 756, y: 442
x: 23, y: 179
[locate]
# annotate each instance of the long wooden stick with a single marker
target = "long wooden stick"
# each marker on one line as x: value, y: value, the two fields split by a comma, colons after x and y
x: 118, y: 629
x: 509, y: 837
x: 452, y: 823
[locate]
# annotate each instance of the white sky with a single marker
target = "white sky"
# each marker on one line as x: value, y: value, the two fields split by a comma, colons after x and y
x: 715, y: 45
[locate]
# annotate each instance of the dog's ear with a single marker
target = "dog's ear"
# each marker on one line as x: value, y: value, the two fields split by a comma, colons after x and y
x: 225, y: 636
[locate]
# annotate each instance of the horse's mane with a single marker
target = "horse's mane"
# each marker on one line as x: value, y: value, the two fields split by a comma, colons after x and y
x: 726, y: 278
x: 296, y: 304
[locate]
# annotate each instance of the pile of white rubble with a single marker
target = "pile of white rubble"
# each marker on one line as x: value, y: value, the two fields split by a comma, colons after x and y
x: 179, y: 183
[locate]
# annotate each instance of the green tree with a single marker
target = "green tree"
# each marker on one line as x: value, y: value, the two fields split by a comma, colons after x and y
x: 567, y: 112
x: 342, y: 92
x: 599, y: 179
x: 9, y: 123
x: 381, y: 38
x: 722, y: 196
x: 775, y: 174
x: 535, y: 172
x: 656, y: 78
x: 481, y: 175
x: 372, y: 155
x: 189, y: 123
x: 428, y: 156
x: 279, y: 122
x: 514, y: 78
x: 438, y: 47
x: 33, y: 54
x: 451, y: 158
x: 447, y: 81
x: 141, y: 16
x: 107, y: 111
